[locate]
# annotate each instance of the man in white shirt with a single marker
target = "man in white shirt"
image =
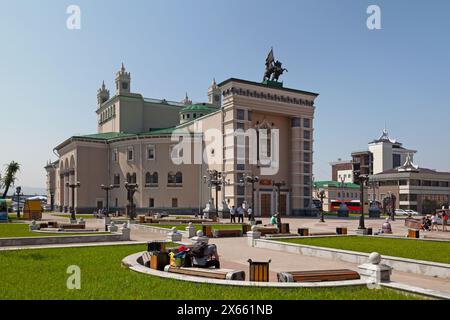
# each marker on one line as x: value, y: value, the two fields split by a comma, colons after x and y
x: 233, y: 214
x: 250, y: 214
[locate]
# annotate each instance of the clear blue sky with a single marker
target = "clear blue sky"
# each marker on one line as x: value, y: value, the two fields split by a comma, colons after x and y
x: 398, y: 76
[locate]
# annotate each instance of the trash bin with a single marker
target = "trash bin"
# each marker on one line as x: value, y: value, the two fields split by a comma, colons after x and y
x: 285, y: 228
x: 246, y: 228
x: 207, y: 231
x: 304, y: 232
x: 341, y: 231
x: 159, y: 246
x: 259, y: 271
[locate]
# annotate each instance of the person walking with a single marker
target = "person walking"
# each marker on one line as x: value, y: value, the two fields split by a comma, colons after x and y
x: 240, y: 212
x: 444, y: 221
x: 434, y: 222
x: 233, y: 214
x: 250, y: 214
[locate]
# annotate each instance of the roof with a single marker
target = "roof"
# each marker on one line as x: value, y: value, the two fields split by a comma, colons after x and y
x: 267, y: 85
x: 105, y: 136
x: 335, y: 184
x: 418, y: 170
x: 198, y: 107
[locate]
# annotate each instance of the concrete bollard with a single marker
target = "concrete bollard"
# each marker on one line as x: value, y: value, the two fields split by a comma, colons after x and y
x: 126, y: 233
x: 374, y: 271
x: 191, y: 230
x: 199, y: 238
x: 253, y: 235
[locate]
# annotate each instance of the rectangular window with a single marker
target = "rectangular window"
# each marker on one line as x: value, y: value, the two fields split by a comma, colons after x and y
x: 151, y: 203
x: 306, y: 123
x: 307, y: 180
x: 306, y: 145
x: 306, y: 203
x: 249, y: 115
x: 240, y: 167
x: 307, y: 157
x: 130, y: 154
x: 396, y: 160
x: 240, y: 125
x: 240, y: 190
x: 151, y: 153
x: 306, y: 168
x: 240, y: 114
x: 295, y: 122
x: 117, y: 179
x: 174, y: 203
x: 307, y: 191
x: 307, y: 135
x: 115, y: 155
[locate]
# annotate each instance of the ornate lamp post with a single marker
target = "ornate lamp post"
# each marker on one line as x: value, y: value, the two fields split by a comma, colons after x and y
x: 215, y: 180
x: 362, y: 180
x: 321, y: 196
x: 107, y: 189
x: 251, y: 179
x: 18, y: 192
x: 131, y: 190
x: 278, y: 185
x: 72, y: 187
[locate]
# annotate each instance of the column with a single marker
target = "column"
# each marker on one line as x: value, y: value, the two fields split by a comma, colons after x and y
x: 66, y: 191
x: 296, y: 167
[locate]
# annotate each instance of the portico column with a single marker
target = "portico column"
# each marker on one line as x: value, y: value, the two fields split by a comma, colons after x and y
x: 296, y: 167
x: 66, y: 191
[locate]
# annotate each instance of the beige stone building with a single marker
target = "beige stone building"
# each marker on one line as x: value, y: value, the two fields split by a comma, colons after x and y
x: 136, y: 142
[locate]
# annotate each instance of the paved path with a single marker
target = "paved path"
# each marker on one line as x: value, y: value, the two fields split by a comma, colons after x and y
x: 235, y: 252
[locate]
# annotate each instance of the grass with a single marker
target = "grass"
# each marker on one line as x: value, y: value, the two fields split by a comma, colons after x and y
x: 434, y: 251
x: 42, y: 274
x: 13, y: 216
x: 182, y: 227
x: 15, y: 230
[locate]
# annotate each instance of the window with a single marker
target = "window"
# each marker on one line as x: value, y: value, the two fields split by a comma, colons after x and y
x: 151, y: 203
x: 117, y: 179
x: 175, y: 178
x: 240, y: 125
x: 306, y: 123
x: 240, y: 114
x: 307, y: 157
x: 306, y: 146
x: 295, y: 122
x: 249, y: 115
x: 124, y: 85
x: 306, y: 168
x: 396, y: 160
x: 306, y: 203
x: 174, y: 203
x: 151, y: 179
x: 131, y: 178
x: 307, y: 134
x: 240, y: 190
x: 151, y: 153
x: 307, y: 180
x: 115, y: 155
x: 130, y: 154
x: 306, y: 191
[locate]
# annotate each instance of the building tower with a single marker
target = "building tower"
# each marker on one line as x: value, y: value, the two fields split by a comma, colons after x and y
x: 102, y: 95
x: 123, y: 81
x: 214, y: 95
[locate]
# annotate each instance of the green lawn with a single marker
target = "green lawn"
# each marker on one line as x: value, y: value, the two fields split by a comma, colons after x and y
x: 412, y: 249
x: 41, y: 274
x: 13, y: 216
x: 182, y: 227
x: 15, y: 230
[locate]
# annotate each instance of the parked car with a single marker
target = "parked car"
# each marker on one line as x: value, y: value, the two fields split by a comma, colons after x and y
x: 400, y: 212
x: 412, y: 212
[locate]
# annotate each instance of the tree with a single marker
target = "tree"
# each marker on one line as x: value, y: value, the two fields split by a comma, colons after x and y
x: 429, y: 206
x: 10, y: 176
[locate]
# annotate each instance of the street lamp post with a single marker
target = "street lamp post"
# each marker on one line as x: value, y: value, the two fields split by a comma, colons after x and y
x: 362, y: 180
x: 131, y: 190
x: 73, y: 186
x: 215, y: 180
x: 321, y: 196
x: 18, y: 191
x: 107, y: 190
x: 278, y: 185
x: 252, y: 180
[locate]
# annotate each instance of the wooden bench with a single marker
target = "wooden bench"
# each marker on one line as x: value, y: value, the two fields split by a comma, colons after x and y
x: 221, y: 274
x: 224, y: 233
x: 318, y: 276
x: 73, y: 226
x: 267, y: 230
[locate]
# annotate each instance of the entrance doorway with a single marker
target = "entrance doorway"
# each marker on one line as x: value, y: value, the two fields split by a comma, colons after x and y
x: 266, y: 205
x: 99, y: 204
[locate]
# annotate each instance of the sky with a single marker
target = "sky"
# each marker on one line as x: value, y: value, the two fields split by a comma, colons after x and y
x: 397, y: 77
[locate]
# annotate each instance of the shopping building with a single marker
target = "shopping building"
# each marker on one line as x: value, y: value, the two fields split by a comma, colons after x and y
x: 135, y: 143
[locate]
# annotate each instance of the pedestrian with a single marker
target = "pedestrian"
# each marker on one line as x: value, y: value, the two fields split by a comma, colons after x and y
x: 233, y: 214
x: 434, y: 222
x: 444, y: 221
x: 240, y: 212
x: 250, y: 214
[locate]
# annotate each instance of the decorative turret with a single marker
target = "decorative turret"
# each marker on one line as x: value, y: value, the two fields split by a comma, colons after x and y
x: 102, y: 95
x: 186, y: 101
x: 409, y: 166
x: 214, y: 95
x: 123, y: 81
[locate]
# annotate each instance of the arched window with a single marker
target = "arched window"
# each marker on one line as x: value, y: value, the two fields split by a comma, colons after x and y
x: 151, y: 179
x: 171, y: 178
x: 148, y: 178
x: 179, y: 178
x: 265, y: 138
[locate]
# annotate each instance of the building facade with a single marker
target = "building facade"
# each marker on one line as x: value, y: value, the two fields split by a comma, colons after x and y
x: 413, y: 187
x: 138, y: 140
x: 337, y: 192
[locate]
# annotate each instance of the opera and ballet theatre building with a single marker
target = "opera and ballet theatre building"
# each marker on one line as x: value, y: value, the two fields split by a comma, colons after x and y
x: 168, y: 150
